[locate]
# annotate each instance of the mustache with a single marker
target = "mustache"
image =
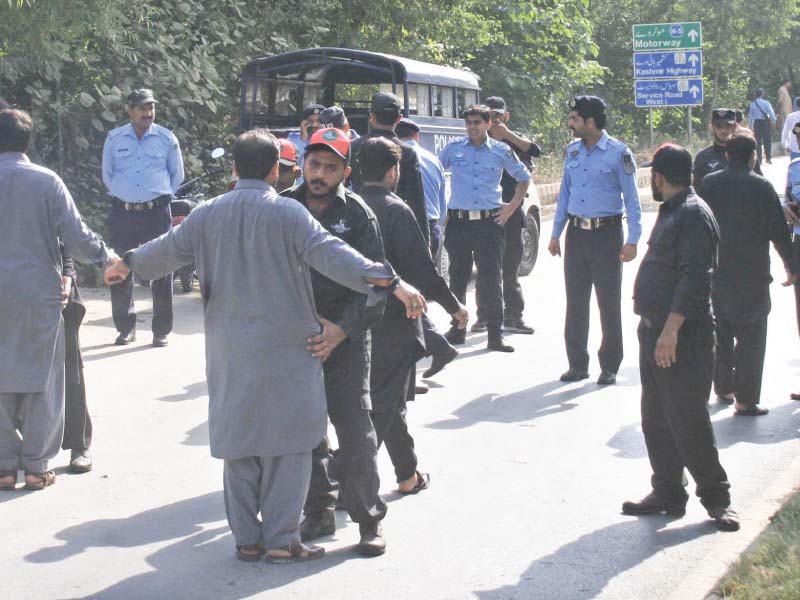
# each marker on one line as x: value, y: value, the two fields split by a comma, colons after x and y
x: 317, y: 182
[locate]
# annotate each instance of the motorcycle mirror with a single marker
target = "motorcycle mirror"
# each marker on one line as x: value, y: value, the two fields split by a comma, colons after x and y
x: 218, y: 153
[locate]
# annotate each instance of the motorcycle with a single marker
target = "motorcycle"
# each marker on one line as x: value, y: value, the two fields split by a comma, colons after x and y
x: 186, y: 199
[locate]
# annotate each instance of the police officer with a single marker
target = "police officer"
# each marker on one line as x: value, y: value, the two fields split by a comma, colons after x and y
x: 791, y: 209
x: 672, y: 295
x: 599, y: 181
x: 526, y: 151
x: 712, y: 158
x: 477, y: 216
x: 309, y: 123
x: 761, y: 119
x: 142, y: 169
x: 334, y: 116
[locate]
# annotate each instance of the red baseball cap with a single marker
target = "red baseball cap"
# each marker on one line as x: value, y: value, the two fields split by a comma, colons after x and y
x: 332, y: 138
x: 288, y: 156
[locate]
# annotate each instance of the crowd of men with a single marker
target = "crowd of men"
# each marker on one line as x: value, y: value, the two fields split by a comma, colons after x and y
x: 350, y: 225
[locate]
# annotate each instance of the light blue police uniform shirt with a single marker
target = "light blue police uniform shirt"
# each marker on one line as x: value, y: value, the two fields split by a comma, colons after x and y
x: 793, y: 182
x: 476, y: 172
x: 433, y: 181
x: 300, y: 144
x: 754, y: 113
x: 599, y: 182
x: 138, y: 170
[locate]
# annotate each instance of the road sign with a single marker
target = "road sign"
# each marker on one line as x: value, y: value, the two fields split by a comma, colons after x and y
x: 669, y: 92
x: 667, y: 65
x: 667, y: 36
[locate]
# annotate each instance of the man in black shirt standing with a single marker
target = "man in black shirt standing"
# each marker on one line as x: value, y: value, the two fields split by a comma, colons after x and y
x: 672, y: 295
x: 344, y: 346
x: 750, y: 216
x: 399, y: 342
x: 384, y: 115
x: 712, y: 158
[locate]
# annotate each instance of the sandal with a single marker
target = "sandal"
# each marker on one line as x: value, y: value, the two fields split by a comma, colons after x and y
x: 46, y: 479
x: 8, y: 480
x: 423, y: 483
x: 249, y: 552
x: 294, y: 552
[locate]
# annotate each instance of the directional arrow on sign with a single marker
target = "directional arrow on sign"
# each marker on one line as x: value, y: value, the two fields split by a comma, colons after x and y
x: 693, y: 35
x: 694, y: 90
x: 693, y: 59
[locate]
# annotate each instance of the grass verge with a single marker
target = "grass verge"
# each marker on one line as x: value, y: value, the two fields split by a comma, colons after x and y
x: 770, y: 569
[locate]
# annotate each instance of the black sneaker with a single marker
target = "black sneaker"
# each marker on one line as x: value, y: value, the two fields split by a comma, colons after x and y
x: 653, y: 504
x: 725, y: 518
x: 574, y: 375
x: 456, y: 336
x: 314, y: 526
x: 517, y: 326
x: 479, y: 327
x: 372, y: 541
x: 497, y: 344
x: 439, y: 362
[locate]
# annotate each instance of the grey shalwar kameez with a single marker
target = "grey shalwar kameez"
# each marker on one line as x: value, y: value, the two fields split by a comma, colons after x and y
x: 267, y: 409
x: 37, y: 211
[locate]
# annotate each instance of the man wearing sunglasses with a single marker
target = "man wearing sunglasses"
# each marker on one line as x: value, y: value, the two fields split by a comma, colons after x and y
x: 599, y: 183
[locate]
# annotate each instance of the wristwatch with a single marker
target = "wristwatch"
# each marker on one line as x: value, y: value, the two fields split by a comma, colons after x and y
x: 394, y: 283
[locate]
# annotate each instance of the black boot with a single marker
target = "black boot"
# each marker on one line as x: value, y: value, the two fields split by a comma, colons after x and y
x: 317, y: 525
x: 497, y: 343
x: 372, y: 541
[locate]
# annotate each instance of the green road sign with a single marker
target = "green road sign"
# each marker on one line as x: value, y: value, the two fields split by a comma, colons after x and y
x: 667, y: 36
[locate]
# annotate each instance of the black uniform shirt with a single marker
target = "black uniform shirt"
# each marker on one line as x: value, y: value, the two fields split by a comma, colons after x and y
x: 750, y: 216
x: 507, y: 182
x: 675, y: 274
x: 351, y: 220
x: 409, y: 188
x: 712, y: 159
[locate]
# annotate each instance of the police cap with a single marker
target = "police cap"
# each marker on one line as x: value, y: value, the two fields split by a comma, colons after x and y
x: 385, y: 104
x: 141, y: 96
x: 333, y: 116
x: 723, y: 115
x: 497, y: 105
x: 311, y: 109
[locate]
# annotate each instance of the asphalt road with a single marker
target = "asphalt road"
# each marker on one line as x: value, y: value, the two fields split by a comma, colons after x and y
x: 527, y: 478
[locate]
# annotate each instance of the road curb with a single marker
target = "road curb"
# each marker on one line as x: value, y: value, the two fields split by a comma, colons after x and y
x: 702, y: 579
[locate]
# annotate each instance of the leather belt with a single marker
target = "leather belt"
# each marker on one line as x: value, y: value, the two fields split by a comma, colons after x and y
x: 139, y: 206
x: 471, y: 215
x: 594, y: 222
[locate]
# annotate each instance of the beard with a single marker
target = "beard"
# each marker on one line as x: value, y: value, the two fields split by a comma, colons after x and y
x: 328, y: 190
x: 657, y: 195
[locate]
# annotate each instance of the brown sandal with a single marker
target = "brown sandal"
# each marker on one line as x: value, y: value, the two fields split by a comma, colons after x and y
x: 8, y: 480
x: 249, y: 552
x: 294, y: 552
x: 46, y: 479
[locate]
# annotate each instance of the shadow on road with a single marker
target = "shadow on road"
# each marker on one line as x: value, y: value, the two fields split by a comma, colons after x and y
x: 581, y: 569
x: 201, y: 556
x: 538, y: 401
x: 190, y: 392
x: 779, y: 425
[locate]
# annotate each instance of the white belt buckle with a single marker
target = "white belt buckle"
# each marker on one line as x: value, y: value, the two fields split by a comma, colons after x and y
x: 474, y: 215
x: 584, y: 223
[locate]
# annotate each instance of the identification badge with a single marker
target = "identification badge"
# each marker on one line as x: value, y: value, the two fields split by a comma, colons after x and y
x: 627, y: 164
x: 574, y: 153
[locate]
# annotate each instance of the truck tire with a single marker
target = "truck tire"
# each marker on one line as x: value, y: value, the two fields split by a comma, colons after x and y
x: 530, y: 243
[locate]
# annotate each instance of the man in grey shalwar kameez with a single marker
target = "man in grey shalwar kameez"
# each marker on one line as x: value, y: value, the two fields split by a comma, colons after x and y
x: 267, y: 409
x: 37, y: 211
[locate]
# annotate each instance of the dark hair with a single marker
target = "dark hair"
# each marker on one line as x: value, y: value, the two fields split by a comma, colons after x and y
x: 590, y: 107
x: 740, y: 147
x: 759, y: 93
x: 377, y: 156
x: 255, y: 153
x: 16, y: 129
x: 483, y: 111
x: 784, y: 81
x: 674, y: 163
x: 384, y: 118
x: 404, y: 131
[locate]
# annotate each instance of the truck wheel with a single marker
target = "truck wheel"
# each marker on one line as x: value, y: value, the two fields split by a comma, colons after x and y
x: 530, y: 246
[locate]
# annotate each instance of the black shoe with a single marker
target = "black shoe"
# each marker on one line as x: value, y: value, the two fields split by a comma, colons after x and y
x: 80, y: 461
x: 439, y: 362
x: 372, y: 541
x: 653, y: 505
x: 479, y: 327
x: 314, y: 526
x: 517, y: 326
x: 607, y: 378
x: 123, y: 339
x: 421, y: 388
x: 159, y: 341
x: 574, y: 375
x: 456, y: 336
x: 497, y: 344
x: 725, y: 518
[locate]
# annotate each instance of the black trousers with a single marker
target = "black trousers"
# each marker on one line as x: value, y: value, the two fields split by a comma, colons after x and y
x: 77, y: 423
x: 436, y: 236
x: 591, y: 259
x: 763, y: 134
x: 355, y: 473
x: 128, y: 230
x: 739, y: 363
x: 482, y: 240
x: 392, y: 427
x: 513, y: 300
x: 675, y: 421
x: 435, y: 342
